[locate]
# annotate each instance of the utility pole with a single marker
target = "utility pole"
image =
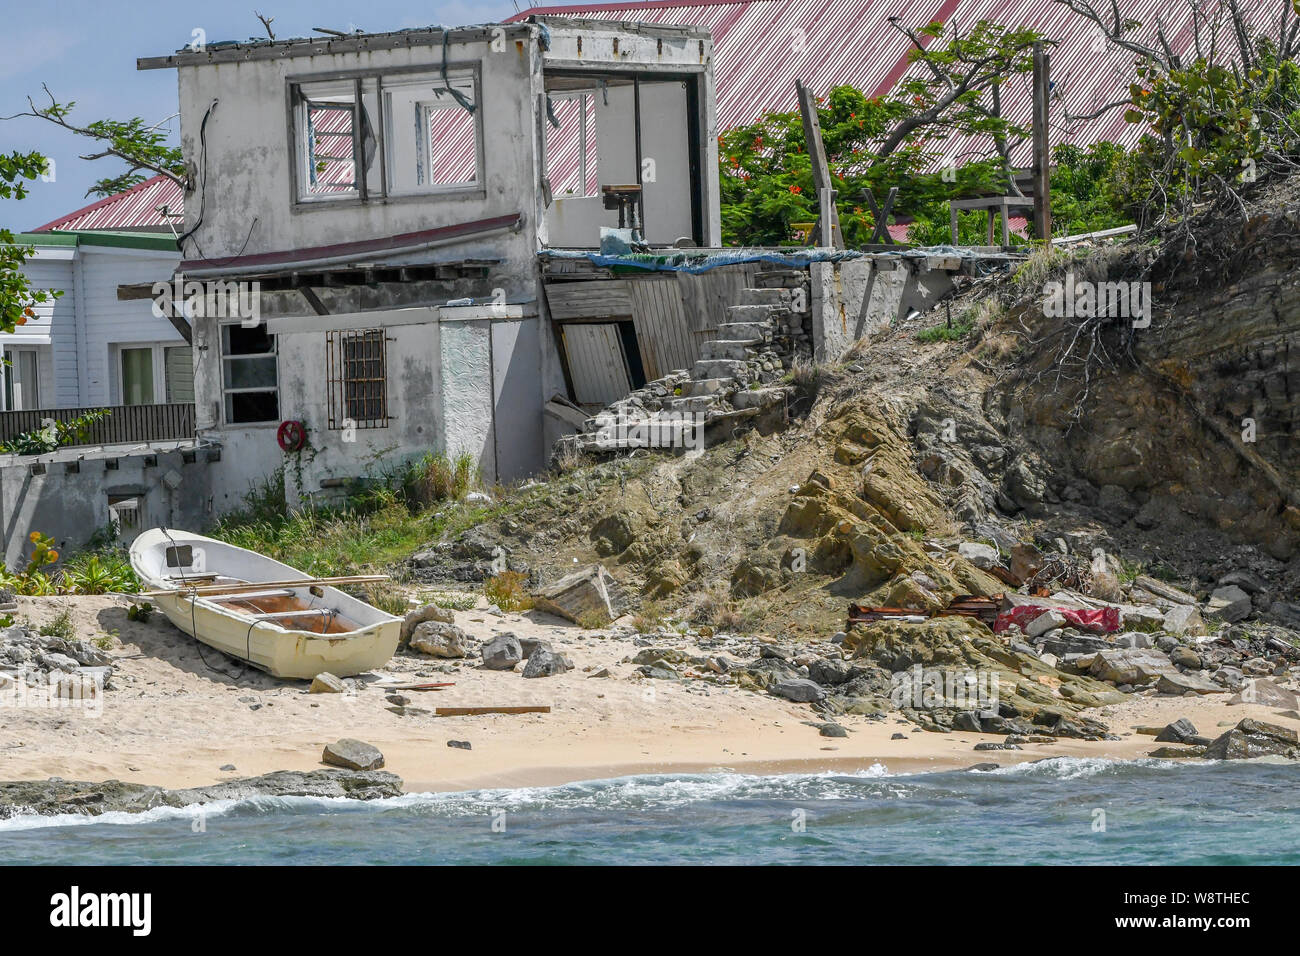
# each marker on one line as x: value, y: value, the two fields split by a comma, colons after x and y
x: 1042, y: 154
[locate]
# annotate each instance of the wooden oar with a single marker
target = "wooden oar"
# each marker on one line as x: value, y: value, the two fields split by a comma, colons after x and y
x: 214, y: 589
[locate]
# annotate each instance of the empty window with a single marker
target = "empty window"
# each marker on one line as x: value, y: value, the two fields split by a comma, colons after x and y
x: 423, y: 129
x: 571, y: 146
x: 249, y: 376
x: 335, y: 138
x: 124, y: 513
x: 431, y: 137
x: 357, y: 378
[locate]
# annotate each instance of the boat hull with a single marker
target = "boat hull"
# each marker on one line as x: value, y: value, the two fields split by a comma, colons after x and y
x: 279, y: 650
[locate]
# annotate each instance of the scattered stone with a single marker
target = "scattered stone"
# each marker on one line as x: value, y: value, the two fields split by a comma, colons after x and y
x: 828, y: 728
x: 398, y: 700
x: 982, y: 767
x: 546, y: 663
x: 1047, y: 621
x: 603, y: 672
x: 440, y: 639
x: 1175, y: 753
x: 531, y: 644
x: 502, y: 653
x: 228, y: 767
x: 1229, y: 604
x: 1130, y: 666
x: 1181, y: 731
x: 982, y: 556
x: 990, y: 745
x: 1176, y: 683
x: 1253, y: 738
x: 459, y: 744
x: 418, y: 616
x: 800, y: 690
x: 1184, y: 656
x: 898, y: 737
x: 1267, y: 693
x: 582, y: 597
x: 353, y: 754
x: 1185, y: 621
x: 326, y: 683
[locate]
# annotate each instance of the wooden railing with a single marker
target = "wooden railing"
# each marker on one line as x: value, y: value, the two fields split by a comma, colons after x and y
x: 124, y: 425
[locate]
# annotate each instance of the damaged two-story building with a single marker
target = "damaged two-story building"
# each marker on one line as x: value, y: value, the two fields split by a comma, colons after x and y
x: 388, y: 196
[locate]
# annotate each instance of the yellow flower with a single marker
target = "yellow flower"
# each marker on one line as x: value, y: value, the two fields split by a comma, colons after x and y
x: 34, y: 537
x: 52, y: 557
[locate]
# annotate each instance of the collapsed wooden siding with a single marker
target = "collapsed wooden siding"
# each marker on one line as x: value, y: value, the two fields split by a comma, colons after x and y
x: 673, y: 314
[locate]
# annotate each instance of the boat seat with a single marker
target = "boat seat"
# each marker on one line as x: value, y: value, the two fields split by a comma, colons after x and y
x: 247, y: 595
x: 274, y: 615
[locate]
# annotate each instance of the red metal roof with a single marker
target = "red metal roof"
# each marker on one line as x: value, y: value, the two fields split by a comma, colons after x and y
x: 137, y: 208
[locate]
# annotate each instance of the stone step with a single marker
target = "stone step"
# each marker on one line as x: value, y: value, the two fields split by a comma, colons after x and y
x: 752, y: 313
x: 782, y: 298
x: 720, y: 368
x: 780, y: 279
x: 739, y: 349
x: 745, y: 330
x: 708, y: 386
x: 757, y: 397
x: 692, y: 403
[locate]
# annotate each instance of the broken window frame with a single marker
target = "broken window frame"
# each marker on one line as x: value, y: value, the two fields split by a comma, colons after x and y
x: 369, y: 90
x: 226, y: 391
x: 357, y: 384
x: 588, y: 157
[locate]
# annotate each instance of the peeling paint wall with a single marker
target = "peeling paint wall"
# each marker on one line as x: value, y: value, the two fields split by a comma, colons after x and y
x: 70, y: 506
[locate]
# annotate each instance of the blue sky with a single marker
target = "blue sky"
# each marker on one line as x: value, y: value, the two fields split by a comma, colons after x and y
x: 85, y: 50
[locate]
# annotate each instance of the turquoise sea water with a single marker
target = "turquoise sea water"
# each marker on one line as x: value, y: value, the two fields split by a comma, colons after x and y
x: 1153, y: 812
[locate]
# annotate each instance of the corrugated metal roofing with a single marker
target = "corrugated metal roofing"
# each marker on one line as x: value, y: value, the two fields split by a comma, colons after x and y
x: 140, y: 207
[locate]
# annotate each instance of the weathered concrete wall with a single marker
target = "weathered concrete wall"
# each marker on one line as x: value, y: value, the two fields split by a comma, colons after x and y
x: 856, y: 297
x: 70, y: 506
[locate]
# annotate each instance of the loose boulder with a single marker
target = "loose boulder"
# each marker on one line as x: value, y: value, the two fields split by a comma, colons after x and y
x: 353, y: 755
x: 544, y: 662
x: 799, y: 689
x: 502, y: 653
x: 326, y: 683
x: 439, y: 639
x: 582, y: 597
x: 1130, y: 666
x: 1229, y: 604
x: 1254, y: 738
x: 418, y: 616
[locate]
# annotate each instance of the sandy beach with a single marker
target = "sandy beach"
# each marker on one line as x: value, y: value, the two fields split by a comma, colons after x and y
x: 173, y: 721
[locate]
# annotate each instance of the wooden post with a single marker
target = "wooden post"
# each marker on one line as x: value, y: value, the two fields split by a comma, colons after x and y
x: 828, y: 223
x: 1042, y: 155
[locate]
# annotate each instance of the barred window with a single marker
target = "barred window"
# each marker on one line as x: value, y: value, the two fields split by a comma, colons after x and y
x: 357, y: 377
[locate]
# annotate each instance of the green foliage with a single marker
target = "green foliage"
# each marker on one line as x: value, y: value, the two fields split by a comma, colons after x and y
x: 1217, y: 127
x: 17, y: 297
x: 1089, y: 188
x: 948, y: 331
x: 434, y: 478
x: 452, y: 602
x: 139, y: 612
x: 99, y: 572
x: 55, y: 434
x: 879, y: 142
x: 60, y: 626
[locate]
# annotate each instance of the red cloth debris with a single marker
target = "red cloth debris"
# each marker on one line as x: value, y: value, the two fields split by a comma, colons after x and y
x: 1101, y: 621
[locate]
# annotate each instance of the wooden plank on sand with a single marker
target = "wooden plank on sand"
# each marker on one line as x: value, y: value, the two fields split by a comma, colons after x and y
x: 475, y: 711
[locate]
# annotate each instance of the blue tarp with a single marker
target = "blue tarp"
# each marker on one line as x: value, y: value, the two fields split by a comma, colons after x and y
x: 695, y: 262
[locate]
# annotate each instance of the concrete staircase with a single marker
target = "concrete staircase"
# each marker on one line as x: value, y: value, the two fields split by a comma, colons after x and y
x: 736, y: 378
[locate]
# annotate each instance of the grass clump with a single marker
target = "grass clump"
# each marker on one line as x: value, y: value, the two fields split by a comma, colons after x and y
x: 60, y: 626
x: 451, y: 602
x: 506, y: 589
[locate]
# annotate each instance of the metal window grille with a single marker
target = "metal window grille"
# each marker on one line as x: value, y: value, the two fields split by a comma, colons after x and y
x: 357, y: 376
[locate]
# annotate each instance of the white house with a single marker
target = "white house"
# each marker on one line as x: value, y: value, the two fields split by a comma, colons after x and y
x: 88, y: 348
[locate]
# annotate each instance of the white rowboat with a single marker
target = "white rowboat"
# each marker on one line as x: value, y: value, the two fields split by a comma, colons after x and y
x: 285, y: 630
